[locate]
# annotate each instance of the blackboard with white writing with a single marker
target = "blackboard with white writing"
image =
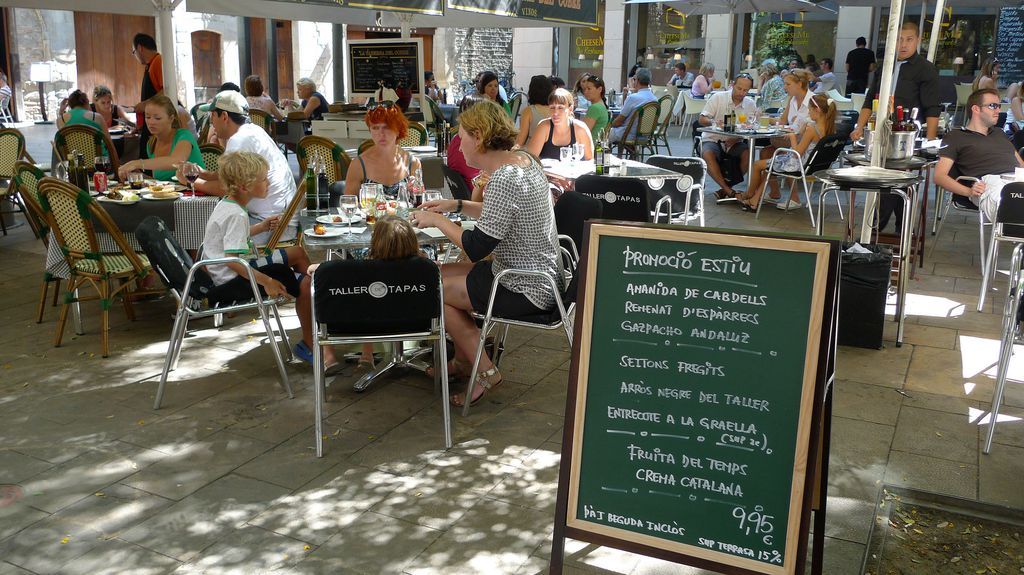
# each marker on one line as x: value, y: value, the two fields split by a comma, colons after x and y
x: 1010, y: 45
x: 395, y: 63
x: 696, y: 368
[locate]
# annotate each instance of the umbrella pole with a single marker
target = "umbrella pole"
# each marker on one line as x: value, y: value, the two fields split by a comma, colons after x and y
x: 880, y: 136
x: 933, y: 41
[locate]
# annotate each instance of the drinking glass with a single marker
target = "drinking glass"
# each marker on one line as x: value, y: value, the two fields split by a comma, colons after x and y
x: 577, y: 152
x: 742, y: 117
x: 61, y: 171
x: 191, y: 172
x: 102, y: 164
x: 564, y: 154
x: 135, y: 178
x: 367, y: 195
x: 349, y: 205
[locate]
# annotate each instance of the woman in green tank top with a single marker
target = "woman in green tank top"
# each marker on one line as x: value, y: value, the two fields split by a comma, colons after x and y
x: 75, y: 110
x: 169, y: 145
x: 597, y: 114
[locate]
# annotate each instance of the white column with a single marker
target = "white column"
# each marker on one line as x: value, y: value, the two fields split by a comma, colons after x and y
x: 849, y: 27
x: 165, y: 45
x: 718, y: 43
x: 531, y: 53
x: 614, y: 45
x: 933, y: 41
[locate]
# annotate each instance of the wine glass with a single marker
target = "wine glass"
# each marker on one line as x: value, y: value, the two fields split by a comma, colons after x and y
x: 191, y: 172
x: 577, y: 152
x: 61, y: 171
x: 349, y: 205
x: 742, y: 117
x: 564, y: 154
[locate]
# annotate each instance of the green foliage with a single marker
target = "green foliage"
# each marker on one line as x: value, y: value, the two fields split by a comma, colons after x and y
x: 775, y: 40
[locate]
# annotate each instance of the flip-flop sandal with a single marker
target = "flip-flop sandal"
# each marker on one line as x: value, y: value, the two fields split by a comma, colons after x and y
x: 487, y: 380
x: 334, y: 369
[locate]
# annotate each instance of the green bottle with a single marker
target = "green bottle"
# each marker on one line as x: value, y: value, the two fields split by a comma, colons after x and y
x: 599, y: 158
x: 311, y: 191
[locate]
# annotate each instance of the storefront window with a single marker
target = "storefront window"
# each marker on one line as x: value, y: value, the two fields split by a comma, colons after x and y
x: 966, y: 35
x: 587, y: 49
x: 793, y: 37
x: 666, y: 35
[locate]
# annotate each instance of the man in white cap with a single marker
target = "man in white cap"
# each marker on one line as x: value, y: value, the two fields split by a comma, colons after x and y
x: 229, y: 115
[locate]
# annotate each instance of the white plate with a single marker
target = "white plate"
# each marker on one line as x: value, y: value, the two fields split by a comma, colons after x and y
x: 423, y: 149
x: 328, y: 233
x: 765, y: 130
x: 107, y: 200
x: 356, y: 217
x: 155, y: 199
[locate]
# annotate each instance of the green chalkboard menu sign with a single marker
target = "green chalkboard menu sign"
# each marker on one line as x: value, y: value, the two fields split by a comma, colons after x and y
x: 696, y: 367
x: 391, y: 63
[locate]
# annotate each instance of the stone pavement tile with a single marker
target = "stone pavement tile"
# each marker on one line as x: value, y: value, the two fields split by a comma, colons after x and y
x: 16, y: 467
x: 382, y: 410
x: 936, y: 434
x: 841, y: 557
x: 958, y: 257
x: 581, y: 558
x: 408, y: 447
x: 16, y: 516
x: 465, y: 471
x: 430, y: 502
x: 114, y: 557
x: 943, y: 372
x: 492, y: 537
x: 313, y: 565
x: 511, y: 436
x: 548, y: 395
x: 1010, y: 427
x: 970, y: 284
x: 529, y: 363
x: 209, y: 515
x: 551, y: 340
x: 82, y: 476
x: 376, y: 543
x: 536, y: 486
x: 294, y: 462
x: 957, y: 270
x: 925, y: 282
x: 932, y: 474
x: 862, y: 444
x: 874, y: 403
x: 963, y: 406
x: 849, y: 518
x: 8, y: 569
x: 999, y: 475
x: 48, y: 544
x: 175, y: 433
x: 915, y: 334
x: 181, y: 474
x: 968, y: 319
x: 887, y: 366
x: 326, y: 504
x: 654, y: 566
x: 247, y: 550
x: 186, y: 386
x: 114, y: 509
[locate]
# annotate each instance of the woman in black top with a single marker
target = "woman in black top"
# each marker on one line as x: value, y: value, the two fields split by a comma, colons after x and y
x: 560, y: 130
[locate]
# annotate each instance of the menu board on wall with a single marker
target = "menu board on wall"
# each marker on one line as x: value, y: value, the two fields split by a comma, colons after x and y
x: 391, y: 62
x: 1010, y: 45
x: 566, y: 11
x: 695, y: 395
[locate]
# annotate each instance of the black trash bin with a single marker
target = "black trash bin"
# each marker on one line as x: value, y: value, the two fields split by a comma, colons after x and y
x: 863, y: 286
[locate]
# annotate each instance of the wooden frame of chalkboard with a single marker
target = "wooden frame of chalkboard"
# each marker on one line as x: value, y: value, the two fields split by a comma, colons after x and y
x: 370, y: 61
x: 679, y: 495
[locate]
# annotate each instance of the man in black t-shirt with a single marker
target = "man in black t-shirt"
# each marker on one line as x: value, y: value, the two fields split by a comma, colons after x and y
x: 859, y: 63
x: 979, y: 150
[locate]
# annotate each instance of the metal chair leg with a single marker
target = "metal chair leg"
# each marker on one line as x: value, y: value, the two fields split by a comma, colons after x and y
x: 1010, y: 324
x: 170, y: 360
x: 284, y: 334
x: 318, y: 392
x: 277, y: 351
x: 989, y: 270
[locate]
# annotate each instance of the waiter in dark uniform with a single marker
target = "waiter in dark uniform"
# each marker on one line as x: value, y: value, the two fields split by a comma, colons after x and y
x: 144, y: 50
x: 915, y: 85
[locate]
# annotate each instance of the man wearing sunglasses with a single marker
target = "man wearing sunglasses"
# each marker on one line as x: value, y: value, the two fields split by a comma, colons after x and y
x: 978, y: 150
x: 716, y: 148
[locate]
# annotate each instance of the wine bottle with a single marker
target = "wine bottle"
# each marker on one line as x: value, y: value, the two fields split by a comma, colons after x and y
x: 323, y: 187
x: 599, y: 158
x: 311, y: 199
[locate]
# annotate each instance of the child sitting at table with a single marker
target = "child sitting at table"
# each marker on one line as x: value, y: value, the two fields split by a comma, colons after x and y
x: 393, y: 239
x: 228, y: 232
x: 822, y: 112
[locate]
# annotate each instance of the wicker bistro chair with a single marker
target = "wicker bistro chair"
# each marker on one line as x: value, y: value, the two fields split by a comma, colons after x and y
x: 314, y: 146
x: 73, y: 214
x: 87, y: 140
x: 12, y: 149
x: 189, y: 283
x: 665, y: 114
x: 645, y: 119
x: 263, y: 120
x: 211, y: 155
x: 26, y: 179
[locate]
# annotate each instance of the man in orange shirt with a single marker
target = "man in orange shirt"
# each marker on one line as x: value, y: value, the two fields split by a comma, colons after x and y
x: 144, y: 50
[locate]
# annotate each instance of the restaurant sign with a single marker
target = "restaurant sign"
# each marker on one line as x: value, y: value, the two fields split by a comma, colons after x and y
x: 565, y: 11
x: 429, y: 7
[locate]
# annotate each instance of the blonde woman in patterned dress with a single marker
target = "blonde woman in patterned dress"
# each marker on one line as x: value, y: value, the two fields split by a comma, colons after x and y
x: 515, y: 222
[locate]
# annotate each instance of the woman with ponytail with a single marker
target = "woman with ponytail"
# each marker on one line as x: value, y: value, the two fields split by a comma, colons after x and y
x: 822, y: 123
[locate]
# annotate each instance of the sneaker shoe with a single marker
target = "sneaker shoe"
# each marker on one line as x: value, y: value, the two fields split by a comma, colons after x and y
x: 791, y: 205
x: 771, y: 200
x: 302, y: 351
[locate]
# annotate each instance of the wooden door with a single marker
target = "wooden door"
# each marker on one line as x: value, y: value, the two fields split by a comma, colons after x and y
x: 285, y: 79
x: 103, y: 43
x: 206, y: 63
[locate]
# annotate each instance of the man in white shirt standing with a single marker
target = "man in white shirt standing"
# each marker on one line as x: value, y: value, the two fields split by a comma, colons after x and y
x: 229, y: 115
x: 716, y: 147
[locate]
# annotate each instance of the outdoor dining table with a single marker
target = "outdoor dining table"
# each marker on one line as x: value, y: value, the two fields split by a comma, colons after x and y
x: 186, y: 217
x: 751, y: 136
x: 922, y: 165
x: 619, y: 167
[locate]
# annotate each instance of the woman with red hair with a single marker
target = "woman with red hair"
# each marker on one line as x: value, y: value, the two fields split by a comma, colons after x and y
x: 384, y: 162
